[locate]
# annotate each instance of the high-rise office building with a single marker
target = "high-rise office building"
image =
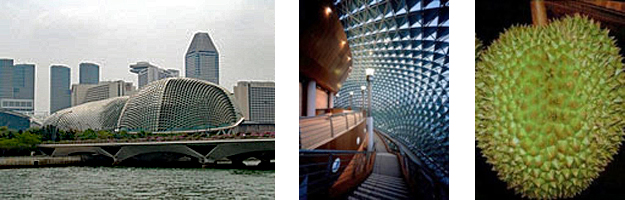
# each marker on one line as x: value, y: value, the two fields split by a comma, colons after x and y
x: 83, y: 93
x: 6, y: 82
x: 17, y: 86
x: 257, y: 100
x: 59, y: 88
x: 202, y: 59
x: 147, y: 72
x: 89, y: 73
x: 24, y: 81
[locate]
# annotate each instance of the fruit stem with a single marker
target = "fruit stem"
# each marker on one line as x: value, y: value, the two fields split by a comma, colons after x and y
x: 539, y: 13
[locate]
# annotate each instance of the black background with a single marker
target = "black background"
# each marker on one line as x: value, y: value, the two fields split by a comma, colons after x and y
x: 492, y: 18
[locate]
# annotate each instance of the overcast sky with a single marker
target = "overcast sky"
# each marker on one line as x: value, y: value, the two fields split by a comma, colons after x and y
x: 115, y: 34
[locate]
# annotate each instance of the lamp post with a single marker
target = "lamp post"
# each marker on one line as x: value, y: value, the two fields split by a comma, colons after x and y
x: 351, y: 94
x: 362, y: 94
x: 369, y: 72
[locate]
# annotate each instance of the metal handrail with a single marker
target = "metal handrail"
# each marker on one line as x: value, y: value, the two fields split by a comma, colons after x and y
x: 404, y: 149
x: 425, y: 171
x: 331, y: 120
x: 330, y: 114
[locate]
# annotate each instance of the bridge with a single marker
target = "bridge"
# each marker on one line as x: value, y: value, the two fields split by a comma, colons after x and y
x: 206, y: 152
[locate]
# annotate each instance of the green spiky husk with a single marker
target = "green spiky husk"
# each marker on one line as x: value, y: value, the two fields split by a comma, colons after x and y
x: 549, y: 106
x: 478, y: 49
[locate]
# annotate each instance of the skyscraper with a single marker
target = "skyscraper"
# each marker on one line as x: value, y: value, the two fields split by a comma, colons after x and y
x: 24, y: 81
x: 89, y: 73
x: 6, y: 82
x: 59, y: 88
x: 17, y: 86
x: 147, y: 73
x: 202, y: 59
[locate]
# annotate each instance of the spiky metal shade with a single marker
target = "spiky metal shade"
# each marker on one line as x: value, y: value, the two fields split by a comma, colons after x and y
x: 549, y: 106
x: 407, y: 43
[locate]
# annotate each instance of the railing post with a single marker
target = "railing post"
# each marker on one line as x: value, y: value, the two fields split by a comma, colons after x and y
x: 329, y: 167
x: 331, y: 128
x: 346, y: 122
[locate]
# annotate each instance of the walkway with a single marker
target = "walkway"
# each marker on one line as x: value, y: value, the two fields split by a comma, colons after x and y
x: 386, y: 180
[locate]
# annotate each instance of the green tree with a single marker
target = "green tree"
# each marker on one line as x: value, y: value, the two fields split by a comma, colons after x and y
x: 104, y: 135
x: 28, y: 140
x: 87, y: 135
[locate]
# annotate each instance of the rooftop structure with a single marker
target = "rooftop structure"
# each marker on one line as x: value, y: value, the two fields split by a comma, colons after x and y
x: 148, y: 73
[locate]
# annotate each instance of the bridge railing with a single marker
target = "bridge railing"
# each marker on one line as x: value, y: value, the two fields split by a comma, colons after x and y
x: 330, y: 173
x: 421, y: 178
x: 317, y: 130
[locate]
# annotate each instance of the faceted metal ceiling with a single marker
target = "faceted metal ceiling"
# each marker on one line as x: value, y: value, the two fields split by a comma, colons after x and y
x: 407, y: 43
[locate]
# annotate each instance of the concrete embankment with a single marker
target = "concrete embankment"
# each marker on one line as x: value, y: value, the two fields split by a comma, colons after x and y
x: 36, y: 161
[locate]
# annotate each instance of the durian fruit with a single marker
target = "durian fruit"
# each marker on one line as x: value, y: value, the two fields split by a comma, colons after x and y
x: 549, y: 106
x: 478, y: 52
x: 478, y: 48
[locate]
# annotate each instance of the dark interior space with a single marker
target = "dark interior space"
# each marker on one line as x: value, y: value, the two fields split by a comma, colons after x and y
x: 609, y: 185
x: 492, y: 17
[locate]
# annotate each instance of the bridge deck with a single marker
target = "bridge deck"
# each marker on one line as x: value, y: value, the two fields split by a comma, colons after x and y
x: 157, y: 143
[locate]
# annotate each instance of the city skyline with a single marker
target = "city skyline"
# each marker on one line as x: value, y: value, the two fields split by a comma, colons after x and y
x: 72, y: 32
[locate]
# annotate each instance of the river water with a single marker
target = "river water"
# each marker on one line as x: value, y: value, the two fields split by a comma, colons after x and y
x: 135, y: 183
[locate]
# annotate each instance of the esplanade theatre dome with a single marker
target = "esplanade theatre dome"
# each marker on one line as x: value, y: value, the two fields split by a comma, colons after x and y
x: 179, y: 104
x: 97, y: 115
x: 173, y: 104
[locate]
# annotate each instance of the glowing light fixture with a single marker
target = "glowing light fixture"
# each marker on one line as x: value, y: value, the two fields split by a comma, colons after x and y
x: 369, y: 71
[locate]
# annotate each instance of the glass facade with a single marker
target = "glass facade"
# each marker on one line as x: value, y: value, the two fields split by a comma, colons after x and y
x: 24, y: 81
x: 17, y: 86
x: 6, y: 84
x: 89, y: 73
x: 202, y: 59
x: 406, y: 42
x: 262, y: 104
x: 60, y: 96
